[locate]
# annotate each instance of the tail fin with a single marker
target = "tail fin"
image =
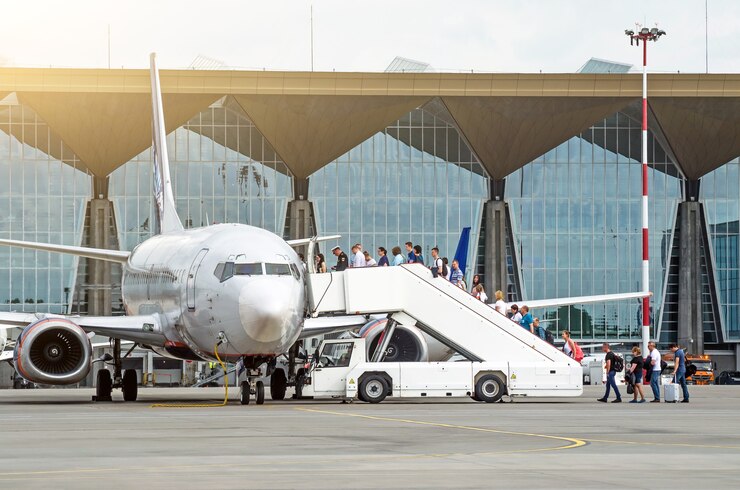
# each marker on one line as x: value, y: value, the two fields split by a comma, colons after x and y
x: 167, y: 218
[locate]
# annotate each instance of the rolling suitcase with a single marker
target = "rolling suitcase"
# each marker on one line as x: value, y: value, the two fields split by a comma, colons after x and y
x: 671, y: 393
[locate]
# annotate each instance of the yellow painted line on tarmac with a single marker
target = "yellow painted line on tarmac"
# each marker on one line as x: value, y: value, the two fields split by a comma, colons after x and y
x: 670, y: 444
x: 572, y: 442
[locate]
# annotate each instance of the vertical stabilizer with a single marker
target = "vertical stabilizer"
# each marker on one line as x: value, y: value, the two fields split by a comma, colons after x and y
x: 167, y: 218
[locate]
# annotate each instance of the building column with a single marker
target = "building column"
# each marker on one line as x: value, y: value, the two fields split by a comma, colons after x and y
x: 690, y: 327
x: 300, y: 219
x: 98, y: 236
x: 496, y: 275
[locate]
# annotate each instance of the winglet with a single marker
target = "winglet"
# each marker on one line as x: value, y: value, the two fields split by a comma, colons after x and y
x: 167, y: 218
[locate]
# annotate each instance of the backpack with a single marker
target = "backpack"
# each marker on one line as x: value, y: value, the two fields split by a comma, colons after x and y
x: 618, y: 363
x: 444, y: 269
x: 578, y: 354
x: 435, y: 268
x: 549, y: 338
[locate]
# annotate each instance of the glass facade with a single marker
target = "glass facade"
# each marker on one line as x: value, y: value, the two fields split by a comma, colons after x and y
x: 719, y: 193
x: 43, y: 193
x: 576, y: 222
x: 222, y: 170
x: 416, y: 181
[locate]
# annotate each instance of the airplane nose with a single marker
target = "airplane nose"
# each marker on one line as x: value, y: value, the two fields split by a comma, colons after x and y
x: 265, y: 310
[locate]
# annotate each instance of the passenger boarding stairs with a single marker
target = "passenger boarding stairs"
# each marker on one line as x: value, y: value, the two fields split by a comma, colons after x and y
x: 441, y: 310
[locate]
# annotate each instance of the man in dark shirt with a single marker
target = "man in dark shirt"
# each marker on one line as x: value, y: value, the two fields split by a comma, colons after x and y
x: 411, y: 254
x: 610, y: 373
x: 679, y: 370
x: 341, y: 259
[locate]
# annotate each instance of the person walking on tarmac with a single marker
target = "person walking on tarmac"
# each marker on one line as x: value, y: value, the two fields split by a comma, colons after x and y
x: 636, y: 365
x: 655, y: 373
x: 679, y: 370
x: 610, y: 373
x: 342, y: 262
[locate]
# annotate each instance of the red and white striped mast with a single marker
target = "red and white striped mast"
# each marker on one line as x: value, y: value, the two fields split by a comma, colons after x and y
x: 644, y: 34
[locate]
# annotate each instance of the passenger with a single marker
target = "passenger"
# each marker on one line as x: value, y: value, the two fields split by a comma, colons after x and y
x: 679, y: 370
x: 320, y: 263
x: 303, y: 261
x: 438, y: 265
x: 655, y: 372
x: 540, y: 331
x: 610, y: 373
x: 410, y: 252
x: 516, y: 317
x: 358, y: 258
x: 500, y: 305
x: 636, y: 365
x: 480, y: 293
x: 397, y: 257
x: 369, y: 261
x: 476, y: 281
x: 383, y: 260
x: 419, y: 257
x: 342, y: 261
x: 456, y: 276
x: 448, y: 269
x: 570, y: 345
x: 527, y: 322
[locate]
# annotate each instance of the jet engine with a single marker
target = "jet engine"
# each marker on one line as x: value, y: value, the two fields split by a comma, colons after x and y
x: 408, y: 343
x: 53, y: 351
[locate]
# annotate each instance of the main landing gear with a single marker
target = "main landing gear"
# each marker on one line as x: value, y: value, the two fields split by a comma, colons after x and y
x: 127, y: 381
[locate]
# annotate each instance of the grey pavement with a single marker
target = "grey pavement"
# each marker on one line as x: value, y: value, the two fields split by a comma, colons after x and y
x: 57, y: 438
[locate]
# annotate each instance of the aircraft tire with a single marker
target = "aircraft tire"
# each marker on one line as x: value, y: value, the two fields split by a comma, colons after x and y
x: 103, y: 386
x: 374, y: 389
x: 260, y: 395
x: 130, y: 386
x: 278, y: 385
x: 244, y: 393
x: 489, y: 389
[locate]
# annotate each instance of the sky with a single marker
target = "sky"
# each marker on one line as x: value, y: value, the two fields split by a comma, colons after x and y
x: 552, y: 36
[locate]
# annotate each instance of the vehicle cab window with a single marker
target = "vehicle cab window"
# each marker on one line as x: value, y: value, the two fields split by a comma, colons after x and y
x: 336, y: 354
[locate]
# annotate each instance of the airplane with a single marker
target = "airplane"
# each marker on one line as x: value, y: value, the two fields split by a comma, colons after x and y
x: 228, y: 291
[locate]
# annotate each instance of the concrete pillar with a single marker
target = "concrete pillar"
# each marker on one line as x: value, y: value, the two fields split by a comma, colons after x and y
x: 300, y: 219
x: 496, y: 276
x: 99, y: 271
x: 690, y: 331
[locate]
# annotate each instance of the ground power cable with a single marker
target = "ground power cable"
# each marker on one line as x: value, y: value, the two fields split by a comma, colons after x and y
x: 203, y: 405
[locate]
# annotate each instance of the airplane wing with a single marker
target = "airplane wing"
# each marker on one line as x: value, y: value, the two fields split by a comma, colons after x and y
x: 91, y: 253
x: 306, y: 241
x: 580, y: 300
x: 329, y: 324
x: 143, y: 329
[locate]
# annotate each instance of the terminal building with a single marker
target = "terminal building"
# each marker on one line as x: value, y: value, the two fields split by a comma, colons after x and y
x: 543, y: 168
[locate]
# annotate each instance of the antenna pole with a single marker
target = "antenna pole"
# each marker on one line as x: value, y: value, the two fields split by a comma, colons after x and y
x: 311, y: 37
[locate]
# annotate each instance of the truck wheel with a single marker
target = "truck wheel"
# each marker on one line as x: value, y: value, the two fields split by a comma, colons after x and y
x: 373, y: 389
x: 278, y: 384
x: 489, y: 388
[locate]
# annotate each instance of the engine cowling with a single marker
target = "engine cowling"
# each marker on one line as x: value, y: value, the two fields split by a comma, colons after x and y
x: 53, y: 351
x: 407, y: 343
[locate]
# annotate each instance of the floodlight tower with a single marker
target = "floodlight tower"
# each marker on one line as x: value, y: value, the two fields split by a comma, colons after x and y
x: 644, y: 34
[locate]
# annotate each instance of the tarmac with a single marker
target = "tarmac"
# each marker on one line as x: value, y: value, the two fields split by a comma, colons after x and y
x: 58, y: 438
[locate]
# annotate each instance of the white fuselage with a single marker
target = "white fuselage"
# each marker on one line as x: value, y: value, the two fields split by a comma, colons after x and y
x: 237, y: 280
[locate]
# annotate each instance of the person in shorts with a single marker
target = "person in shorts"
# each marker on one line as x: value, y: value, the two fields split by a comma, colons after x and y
x: 636, y: 366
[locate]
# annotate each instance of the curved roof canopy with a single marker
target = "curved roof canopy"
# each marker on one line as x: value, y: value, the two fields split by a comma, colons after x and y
x: 311, y: 118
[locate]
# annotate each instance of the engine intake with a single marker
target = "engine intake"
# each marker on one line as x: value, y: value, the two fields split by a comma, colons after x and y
x: 407, y: 343
x: 53, y: 351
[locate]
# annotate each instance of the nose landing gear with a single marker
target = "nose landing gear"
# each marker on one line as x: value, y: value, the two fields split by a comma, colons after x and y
x: 250, y: 387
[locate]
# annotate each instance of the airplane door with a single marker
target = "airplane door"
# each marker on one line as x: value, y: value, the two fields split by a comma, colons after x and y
x: 192, y: 274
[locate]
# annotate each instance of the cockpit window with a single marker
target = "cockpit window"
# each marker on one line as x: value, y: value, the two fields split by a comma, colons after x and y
x: 278, y: 270
x: 224, y: 270
x: 254, y: 269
